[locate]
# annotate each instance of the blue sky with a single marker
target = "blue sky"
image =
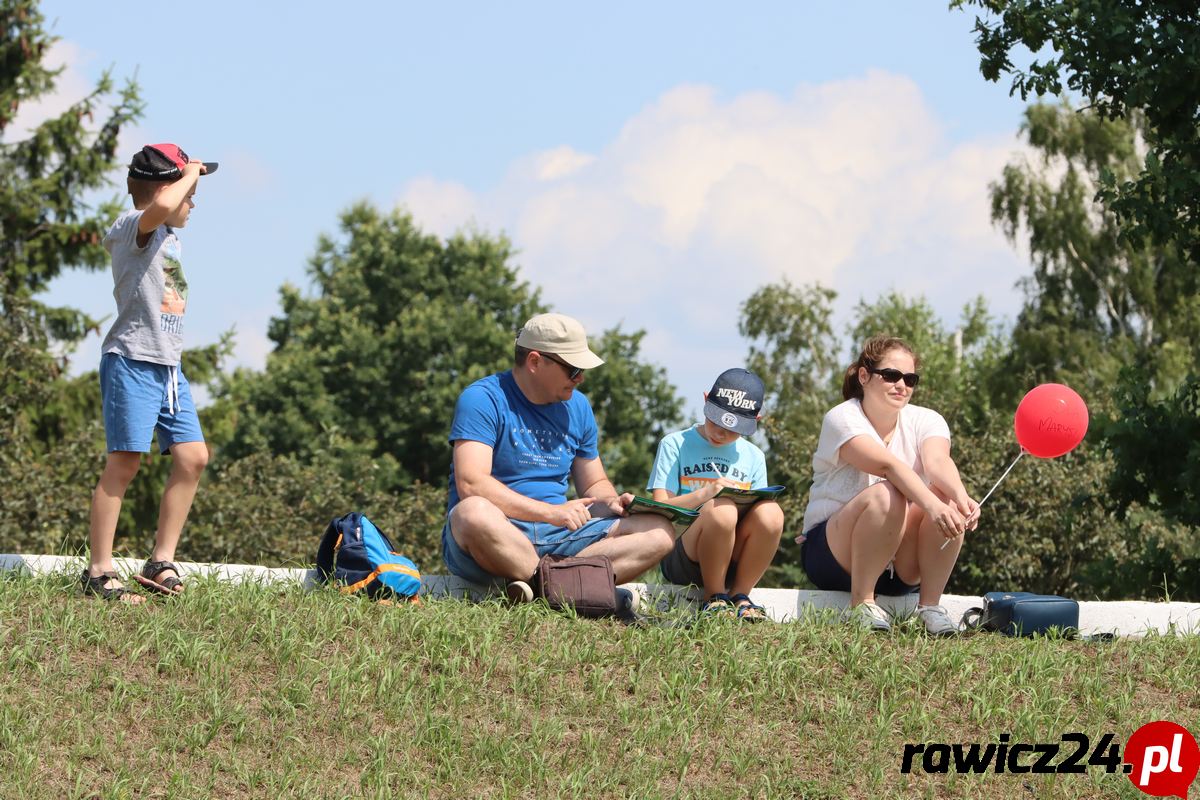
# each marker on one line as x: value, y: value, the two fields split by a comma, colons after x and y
x: 696, y: 149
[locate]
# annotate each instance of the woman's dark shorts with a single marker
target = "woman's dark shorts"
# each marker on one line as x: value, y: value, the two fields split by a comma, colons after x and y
x: 826, y: 573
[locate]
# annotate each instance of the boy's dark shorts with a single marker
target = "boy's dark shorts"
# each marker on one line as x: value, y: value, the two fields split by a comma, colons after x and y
x: 826, y: 573
x: 678, y: 568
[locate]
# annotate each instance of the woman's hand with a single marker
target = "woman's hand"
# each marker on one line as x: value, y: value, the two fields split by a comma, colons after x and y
x: 949, y: 521
x: 969, y: 509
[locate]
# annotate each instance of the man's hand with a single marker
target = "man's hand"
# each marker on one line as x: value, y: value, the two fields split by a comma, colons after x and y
x: 572, y: 514
x: 612, y: 506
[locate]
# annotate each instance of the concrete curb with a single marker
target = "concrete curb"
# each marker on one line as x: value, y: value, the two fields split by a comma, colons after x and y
x: 1122, y: 618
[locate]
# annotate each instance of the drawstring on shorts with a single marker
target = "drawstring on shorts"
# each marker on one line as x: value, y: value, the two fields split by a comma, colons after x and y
x: 172, y: 389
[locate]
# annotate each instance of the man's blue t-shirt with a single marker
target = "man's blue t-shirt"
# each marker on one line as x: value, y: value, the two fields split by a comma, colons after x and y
x: 533, y: 446
x: 685, y: 462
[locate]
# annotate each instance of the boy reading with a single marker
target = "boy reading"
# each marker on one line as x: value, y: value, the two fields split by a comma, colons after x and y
x: 729, y: 547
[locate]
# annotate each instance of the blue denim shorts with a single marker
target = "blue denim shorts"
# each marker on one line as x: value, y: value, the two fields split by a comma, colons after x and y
x: 137, y: 401
x: 545, y: 538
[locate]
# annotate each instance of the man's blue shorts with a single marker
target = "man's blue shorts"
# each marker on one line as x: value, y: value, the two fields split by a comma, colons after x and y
x: 545, y: 538
x: 136, y: 404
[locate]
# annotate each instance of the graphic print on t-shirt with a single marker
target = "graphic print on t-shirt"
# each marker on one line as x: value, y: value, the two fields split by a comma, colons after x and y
x: 175, y: 291
x: 541, y: 448
x: 697, y: 476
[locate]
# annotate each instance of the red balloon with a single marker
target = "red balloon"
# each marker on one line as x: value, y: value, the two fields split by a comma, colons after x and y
x: 1051, y: 420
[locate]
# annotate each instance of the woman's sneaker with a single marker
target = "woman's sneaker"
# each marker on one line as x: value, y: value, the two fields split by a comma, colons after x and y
x: 870, y: 616
x: 937, y: 621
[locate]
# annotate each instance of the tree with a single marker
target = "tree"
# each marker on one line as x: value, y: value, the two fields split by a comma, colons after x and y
x: 794, y: 351
x: 1096, y: 300
x: 792, y: 347
x: 635, y: 407
x: 1166, y: 477
x: 1124, y: 58
x: 401, y: 322
x: 45, y: 223
x: 1131, y: 277
x: 50, y: 444
x: 44, y: 501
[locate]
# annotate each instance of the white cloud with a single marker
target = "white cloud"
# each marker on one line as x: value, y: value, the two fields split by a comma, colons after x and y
x: 441, y: 206
x: 560, y: 162
x: 251, y: 345
x: 701, y: 199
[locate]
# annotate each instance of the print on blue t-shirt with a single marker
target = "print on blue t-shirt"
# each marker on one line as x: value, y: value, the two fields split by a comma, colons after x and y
x: 685, y: 463
x: 533, y: 445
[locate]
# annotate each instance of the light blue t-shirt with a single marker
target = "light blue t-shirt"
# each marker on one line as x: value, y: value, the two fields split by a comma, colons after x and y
x: 533, y: 445
x: 686, y: 459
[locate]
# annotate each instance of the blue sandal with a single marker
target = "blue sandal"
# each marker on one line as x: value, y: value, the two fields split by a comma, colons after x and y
x: 718, y: 606
x: 748, y: 610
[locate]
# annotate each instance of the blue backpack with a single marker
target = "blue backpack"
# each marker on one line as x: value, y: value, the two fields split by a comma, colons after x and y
x: 356, y: 555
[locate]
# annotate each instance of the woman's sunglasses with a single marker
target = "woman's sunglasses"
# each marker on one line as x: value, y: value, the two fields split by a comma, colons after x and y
x: 893, y: 375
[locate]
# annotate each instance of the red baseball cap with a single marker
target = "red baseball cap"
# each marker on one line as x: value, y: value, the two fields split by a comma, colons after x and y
x: 162, y: 162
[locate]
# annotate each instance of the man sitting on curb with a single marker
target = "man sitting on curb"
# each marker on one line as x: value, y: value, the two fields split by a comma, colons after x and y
x: 517, y: 437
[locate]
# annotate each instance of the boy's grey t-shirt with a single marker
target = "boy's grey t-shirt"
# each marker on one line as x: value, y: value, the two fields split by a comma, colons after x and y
x: 150, y: 290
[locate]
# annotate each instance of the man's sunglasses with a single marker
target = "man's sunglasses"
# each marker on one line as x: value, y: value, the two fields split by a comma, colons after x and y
x: 573, y: 373
x: 893, y: 375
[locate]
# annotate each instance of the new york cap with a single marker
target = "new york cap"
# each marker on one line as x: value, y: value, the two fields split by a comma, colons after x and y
x: 162, y: 162
x: 735, y: 401
x: 560, y: 335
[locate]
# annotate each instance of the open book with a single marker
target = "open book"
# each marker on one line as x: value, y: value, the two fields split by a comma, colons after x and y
x: 744, y: 497
x: 681, y: 518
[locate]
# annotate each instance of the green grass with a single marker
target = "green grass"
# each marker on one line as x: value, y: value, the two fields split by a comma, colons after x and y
x: 254, y: 691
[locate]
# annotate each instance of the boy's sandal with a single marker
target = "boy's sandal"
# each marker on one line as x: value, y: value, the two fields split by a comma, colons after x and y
x: 748, y: 610
x: 97, y: 585
x: 148, y: 577
x: 719, y: 605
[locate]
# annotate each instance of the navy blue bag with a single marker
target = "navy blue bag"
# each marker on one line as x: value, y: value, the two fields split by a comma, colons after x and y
x: 359, y: 557
x: 1024, y: 614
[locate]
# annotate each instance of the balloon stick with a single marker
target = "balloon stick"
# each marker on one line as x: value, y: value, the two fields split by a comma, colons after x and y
x: 989, y: 494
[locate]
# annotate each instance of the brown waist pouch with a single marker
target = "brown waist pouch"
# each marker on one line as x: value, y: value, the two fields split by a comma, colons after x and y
x: 584, y: 583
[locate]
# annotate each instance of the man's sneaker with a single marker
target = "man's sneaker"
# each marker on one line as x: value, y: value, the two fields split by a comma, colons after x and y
x: 519, y: 592
x: 627, y: 605
x: 937, y: 621
x: 870, y: 616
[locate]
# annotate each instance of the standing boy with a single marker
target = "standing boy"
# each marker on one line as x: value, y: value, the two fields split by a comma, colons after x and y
x: 729, y: 547
x: 141, y: 385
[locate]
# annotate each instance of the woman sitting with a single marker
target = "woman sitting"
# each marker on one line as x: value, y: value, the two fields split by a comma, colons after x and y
x: 886, y: 495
